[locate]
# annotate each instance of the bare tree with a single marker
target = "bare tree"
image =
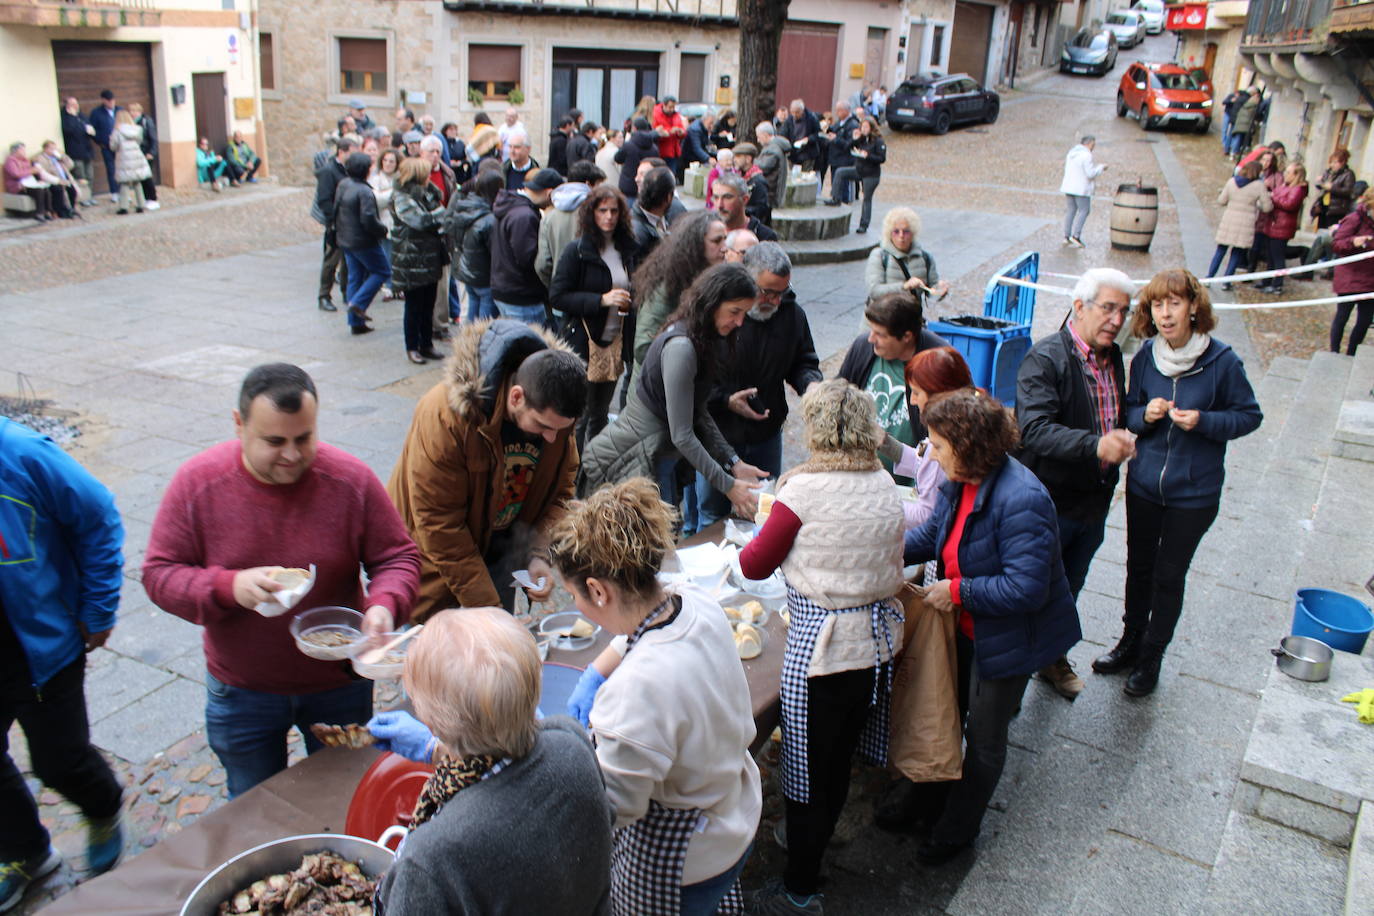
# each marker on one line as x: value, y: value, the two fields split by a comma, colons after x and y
x: 760, y: 34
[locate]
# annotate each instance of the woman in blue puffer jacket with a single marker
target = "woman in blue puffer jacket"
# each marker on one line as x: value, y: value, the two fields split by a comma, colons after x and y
x: 1187, y: 398
x: 995, y: 536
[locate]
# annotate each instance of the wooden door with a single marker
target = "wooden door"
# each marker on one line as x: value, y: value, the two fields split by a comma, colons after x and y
x: 806, y: 64
x: 875, y: 53
x: 968, y: 46
x: 211, y: 120
x: 86, y: 68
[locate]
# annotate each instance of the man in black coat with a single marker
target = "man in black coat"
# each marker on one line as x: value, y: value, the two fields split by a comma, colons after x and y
x: 730, y: 195
x: 1071, y: 406
x: 649, y: 212
x: 76, y: 141
x: 327, y: 179
x: 772, y: 348
x: 581, y: 147
x: 696, y: 146
x: 515, y: 284
x: 803, y: 128
x: 558, y: 145
x: 641, y: 144
x: 838, y: 150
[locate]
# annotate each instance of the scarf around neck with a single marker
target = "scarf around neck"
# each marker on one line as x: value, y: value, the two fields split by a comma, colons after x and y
x: 1172, y: 363
x: 451, y: 776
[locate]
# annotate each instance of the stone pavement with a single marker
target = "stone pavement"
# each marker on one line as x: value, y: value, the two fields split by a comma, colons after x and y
x: 1107, y: 805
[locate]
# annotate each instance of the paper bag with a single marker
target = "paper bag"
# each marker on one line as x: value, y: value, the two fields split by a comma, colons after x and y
x: 927, y: 743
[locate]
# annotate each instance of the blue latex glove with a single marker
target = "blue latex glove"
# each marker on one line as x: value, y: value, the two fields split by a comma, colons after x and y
x: 584, y: 694
x: 402, y: 733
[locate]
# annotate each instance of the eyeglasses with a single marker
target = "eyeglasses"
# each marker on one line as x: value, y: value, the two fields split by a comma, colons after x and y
x: 1123, y: 311
x: 774, y: 295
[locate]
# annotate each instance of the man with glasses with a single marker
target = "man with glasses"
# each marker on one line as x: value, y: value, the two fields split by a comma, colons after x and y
x: 1070, y: 403
x: 772, y: 348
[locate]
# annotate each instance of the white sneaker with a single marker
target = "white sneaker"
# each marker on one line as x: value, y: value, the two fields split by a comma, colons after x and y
x: 114, y: 198
x: 153, y: 205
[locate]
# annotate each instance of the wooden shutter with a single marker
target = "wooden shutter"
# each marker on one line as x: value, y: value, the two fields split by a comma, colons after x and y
x: 266, y: 66
x: 494, y: 63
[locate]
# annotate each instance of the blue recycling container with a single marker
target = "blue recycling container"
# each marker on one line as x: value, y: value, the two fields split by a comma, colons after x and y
x: 994, y: 344
x: 1338, y: 620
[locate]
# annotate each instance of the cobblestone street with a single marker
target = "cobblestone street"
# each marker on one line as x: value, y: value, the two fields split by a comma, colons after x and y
x: 138, y: 330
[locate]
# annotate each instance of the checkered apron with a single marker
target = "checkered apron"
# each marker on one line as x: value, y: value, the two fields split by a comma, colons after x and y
x: 647, y: 857
x: 807, y: 619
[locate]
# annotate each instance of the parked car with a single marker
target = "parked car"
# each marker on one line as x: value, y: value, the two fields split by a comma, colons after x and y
x: 1128, y: 25
x: 935, y: 102
x: 1089, y: 52
x: 1163, y: 94
x: 1153, y: 13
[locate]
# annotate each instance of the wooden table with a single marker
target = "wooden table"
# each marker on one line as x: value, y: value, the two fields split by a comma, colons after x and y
x: 313, y: 797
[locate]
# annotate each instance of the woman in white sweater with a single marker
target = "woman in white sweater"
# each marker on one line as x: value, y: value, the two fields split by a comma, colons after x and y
x: 673, y: 721
x: 835, y: 528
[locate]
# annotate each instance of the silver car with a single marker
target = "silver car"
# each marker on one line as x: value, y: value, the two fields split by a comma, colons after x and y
x: 1128, y: 26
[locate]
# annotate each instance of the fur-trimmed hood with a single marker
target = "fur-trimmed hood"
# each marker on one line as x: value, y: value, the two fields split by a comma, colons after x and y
x: 484, y: 352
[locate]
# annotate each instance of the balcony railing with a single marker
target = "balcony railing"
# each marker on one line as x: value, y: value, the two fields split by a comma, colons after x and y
x: 1277, y: 23
x: 103, y: 14
x: 723, y: 12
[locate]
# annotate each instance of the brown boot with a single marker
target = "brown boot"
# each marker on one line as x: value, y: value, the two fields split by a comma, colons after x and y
x: 1061, y: 675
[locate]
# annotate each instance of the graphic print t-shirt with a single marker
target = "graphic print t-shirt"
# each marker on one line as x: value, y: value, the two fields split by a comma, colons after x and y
x: 521, y: 453
x: 887, y: 383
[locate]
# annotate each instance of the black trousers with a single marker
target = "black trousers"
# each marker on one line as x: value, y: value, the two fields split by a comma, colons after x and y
x: 1364, y: 316
x: 836, y: 711
x: 1160, y: 543
x: 1273, y: 252
x: 418, y: 328
x: 332, y: 264
x: 58, y: 733
x: 238, y: 173
x: 988, y: 706
x: 593, y: 419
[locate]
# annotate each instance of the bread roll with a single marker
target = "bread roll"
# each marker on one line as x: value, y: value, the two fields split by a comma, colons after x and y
x: 751, y: 612
x: 581, y: 629
x: 289, y: 576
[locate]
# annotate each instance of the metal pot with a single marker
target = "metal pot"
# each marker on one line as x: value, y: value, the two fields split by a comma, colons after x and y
x: 1304, y: 658
x: 278, y: 857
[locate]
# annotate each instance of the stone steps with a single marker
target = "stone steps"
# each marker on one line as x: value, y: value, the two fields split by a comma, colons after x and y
x: 1359, y: 884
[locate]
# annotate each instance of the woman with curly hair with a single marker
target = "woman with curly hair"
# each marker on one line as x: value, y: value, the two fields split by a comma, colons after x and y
x: 668, y: 707
x: 995, y: 538
x: 835, y: 529
x: 696, y: 243
x: 591, y: 287
x: 1188, y: 396
x: 666, y: 431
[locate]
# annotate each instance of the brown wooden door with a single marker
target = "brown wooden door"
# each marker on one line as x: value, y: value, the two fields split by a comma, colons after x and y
x: 86, y: 68
x: 806, y: 64
x: 875, y: 53
x: 211, y: 120
x: 968, y: 46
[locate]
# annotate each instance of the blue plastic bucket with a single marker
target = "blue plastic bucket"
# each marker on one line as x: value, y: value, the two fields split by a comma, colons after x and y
x: 1338, y: 620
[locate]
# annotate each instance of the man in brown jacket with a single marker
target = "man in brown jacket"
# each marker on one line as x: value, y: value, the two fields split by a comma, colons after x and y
x: 488, y: 464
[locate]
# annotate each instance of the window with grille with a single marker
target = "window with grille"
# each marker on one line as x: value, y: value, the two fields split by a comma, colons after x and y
x: 494, y: 70
x: 362, y: 65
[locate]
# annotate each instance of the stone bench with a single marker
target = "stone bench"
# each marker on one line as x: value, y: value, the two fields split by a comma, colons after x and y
x: 19, y: 203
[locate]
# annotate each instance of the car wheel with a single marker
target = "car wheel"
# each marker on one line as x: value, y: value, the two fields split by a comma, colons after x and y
x: 942, y: 122
x: 1120, y: 105
x: 1204, y: 126
x: 994, y: 108
x: 1145, y: 118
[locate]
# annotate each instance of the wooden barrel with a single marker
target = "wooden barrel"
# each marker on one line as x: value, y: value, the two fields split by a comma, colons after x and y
x: 1135, y: 213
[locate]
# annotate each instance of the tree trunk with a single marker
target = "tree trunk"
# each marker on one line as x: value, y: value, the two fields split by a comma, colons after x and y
x: 760, y: 34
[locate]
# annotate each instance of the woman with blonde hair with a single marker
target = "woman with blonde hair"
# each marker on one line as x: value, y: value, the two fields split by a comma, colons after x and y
x: 131, y: 166
x: 417, y: 254
x: 507, y: 791
x: 899, y: 264
x: 672, y: 719
x: 835, y: 528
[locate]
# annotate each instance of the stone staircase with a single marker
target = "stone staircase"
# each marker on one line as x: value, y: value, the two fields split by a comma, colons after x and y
x: 1299, y: 492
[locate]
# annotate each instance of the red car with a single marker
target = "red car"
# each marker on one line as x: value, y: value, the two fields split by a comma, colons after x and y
x: 1163, y: 94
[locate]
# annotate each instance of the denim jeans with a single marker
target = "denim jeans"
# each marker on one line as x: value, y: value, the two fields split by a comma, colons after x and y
x: 455, y: 298
x: 247, y: 729
x: 1225, y: 132
x: 1237, y: 258
x: 713, y: 505
x: 702, y: 898
x: 1077, y: 207
x: 367, y: 271
x: 480, y: 303
x: 672, y: 492
x: 1078, y: 543
x: 386, y: 250
x: 530, y: 314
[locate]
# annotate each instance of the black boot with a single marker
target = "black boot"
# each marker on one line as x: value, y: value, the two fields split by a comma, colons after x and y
x: 1124, y: 656
x: 898, y: 807
x: 1143, y: 679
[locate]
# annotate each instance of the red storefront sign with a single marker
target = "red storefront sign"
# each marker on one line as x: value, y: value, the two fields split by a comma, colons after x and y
x: 1187, y: 16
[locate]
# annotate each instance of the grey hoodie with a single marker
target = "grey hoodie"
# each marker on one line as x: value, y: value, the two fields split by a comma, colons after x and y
x: 559, y: 227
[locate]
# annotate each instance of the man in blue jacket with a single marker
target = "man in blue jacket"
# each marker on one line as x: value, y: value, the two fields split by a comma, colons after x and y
x: 60, y: 575
x: 103, y: 119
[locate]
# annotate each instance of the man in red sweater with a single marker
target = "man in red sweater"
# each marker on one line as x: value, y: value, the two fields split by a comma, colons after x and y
x: 671, y: 127
x: 235, y: 512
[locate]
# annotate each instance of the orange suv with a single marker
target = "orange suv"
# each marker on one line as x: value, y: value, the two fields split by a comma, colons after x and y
x: 1162, y: 94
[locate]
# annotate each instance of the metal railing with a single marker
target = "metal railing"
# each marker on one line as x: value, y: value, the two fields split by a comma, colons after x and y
x: 1285, y: 22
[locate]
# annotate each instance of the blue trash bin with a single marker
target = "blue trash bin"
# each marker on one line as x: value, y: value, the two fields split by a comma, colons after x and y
x: 1338, y: 620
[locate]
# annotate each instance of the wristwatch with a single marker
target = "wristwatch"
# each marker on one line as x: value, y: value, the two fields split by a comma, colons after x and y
x: 730, y: 463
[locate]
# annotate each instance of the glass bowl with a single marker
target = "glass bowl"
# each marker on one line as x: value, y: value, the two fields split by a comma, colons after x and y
x: 311, y: 625
x: 391, y: 665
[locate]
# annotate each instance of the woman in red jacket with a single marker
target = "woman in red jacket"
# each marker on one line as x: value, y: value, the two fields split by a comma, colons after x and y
x: 1279, y: 225
x: 1354, y: 235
